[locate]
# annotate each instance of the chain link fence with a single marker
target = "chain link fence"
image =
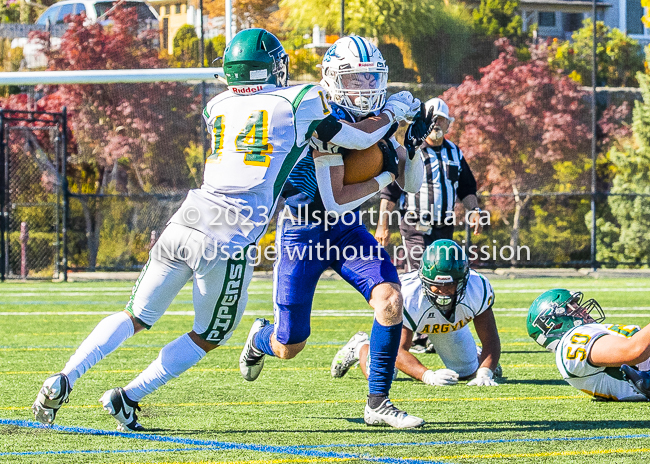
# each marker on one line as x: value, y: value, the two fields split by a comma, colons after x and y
x: 122, y: 191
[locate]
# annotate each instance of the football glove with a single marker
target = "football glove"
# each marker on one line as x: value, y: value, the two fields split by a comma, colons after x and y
x: 483, y: 378
x: 403, y: 106
x: 639, y: 380
x: 417, y: 131
x: 440, y: 378
x: 326, y: 147
x: 391, y: 159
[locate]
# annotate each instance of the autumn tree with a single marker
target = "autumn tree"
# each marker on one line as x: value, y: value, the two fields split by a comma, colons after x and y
x: 246, y: 13
x: 438, y: 32
x: 518, y: 125
x: 129, y: 137
x: 619, y: 57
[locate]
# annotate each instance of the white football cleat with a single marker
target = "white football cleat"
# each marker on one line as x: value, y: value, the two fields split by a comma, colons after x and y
x: 347, y: 356
x: 52, y: 395
x: 387, y: 414
x: 251, y: 360
x: 122, y: 409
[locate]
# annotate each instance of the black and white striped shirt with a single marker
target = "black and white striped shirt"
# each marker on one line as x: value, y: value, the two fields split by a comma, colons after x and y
x: 446, y: 176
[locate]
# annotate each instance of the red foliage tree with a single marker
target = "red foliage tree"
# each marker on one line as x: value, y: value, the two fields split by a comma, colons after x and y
x: 138, y: 128
x: 515, y: 123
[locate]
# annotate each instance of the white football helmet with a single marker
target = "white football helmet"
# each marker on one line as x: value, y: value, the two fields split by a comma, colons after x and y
x: 437, y: 107
x: 355, y: 75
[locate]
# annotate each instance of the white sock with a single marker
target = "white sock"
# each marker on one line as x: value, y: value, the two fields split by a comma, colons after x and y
x: 174, y: 359
x: 357, y: 349
x: 103, y: 340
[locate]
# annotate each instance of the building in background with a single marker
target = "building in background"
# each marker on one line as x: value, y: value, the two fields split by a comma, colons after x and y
x: 173, y: 15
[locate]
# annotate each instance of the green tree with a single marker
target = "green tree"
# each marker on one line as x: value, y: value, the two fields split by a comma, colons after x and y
x: 438, y: 32
x: 625, y: 235
x: 619, y: 57
x: 185, y: 48
x: 498, y: 18
x: 214, y: 49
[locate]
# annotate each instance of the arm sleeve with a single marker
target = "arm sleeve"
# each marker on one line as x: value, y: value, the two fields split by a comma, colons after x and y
x: 413, y: 173
x: 322, y: 164
x: 343, y: 135
x: 466, y: 181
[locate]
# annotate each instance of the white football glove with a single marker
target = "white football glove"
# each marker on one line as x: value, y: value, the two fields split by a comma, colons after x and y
x: 325, y: 147
x: 403, y: 106
x: 483, y: 378
x: 440, y: 378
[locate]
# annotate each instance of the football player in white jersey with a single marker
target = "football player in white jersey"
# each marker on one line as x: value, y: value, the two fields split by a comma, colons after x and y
x: 606, y: 361
x: 260, y: 130
x: 440, y: 300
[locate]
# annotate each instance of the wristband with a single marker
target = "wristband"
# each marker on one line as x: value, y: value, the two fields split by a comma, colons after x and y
x: 328, y: 160
x: 427, y: 377
x: 384, y: 179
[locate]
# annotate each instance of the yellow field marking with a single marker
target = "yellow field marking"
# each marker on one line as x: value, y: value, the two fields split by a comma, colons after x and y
x: 268, y: 403
x: 259, y: 461
x: 541, y: 455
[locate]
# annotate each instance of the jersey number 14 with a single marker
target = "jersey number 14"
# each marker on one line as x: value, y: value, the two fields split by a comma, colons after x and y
x: 253, y: 140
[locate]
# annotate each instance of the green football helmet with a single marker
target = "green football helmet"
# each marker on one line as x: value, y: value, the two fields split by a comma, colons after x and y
x: 444, y: 263
x: 557, y: 311
x: 255, y: 57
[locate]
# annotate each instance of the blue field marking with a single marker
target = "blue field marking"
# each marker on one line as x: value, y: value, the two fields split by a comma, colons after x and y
x: 477, y: 442
x: 218, y: 445
x: 162, y: 450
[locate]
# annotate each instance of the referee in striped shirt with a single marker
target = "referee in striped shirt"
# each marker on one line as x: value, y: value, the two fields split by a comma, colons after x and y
x: 427, y: 216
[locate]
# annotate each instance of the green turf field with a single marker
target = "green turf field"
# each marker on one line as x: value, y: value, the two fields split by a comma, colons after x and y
x: 295, y: 412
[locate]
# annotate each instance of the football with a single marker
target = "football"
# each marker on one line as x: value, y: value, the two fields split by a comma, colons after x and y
x: 362, y: 165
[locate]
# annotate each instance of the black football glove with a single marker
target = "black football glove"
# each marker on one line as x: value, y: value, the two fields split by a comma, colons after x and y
x: 391, y: 131
x: 417, y: 131
x: 391, y: 159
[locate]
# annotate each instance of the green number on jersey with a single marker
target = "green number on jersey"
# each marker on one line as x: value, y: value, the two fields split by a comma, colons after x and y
x: 254, y: 141
x: 217, y: 145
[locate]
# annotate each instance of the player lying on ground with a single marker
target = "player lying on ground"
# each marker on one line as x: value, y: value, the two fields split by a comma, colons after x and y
x: 260, y: 130
x: 355, y: 76
x: 591, y: 356
x: 440, y: 300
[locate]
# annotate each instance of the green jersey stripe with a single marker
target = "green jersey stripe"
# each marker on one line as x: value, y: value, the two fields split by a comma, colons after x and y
x: 296, y: 101
x: 410, y: 320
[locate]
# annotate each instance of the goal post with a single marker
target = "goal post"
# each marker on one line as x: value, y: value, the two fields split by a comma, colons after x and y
x: 113, y: 76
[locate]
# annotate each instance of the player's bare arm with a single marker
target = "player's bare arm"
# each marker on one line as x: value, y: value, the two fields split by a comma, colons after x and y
x: 347, y: 193
x: 382, y: 234
x: 406, y: 362
x: 613, y: 351
x: 486, y: 329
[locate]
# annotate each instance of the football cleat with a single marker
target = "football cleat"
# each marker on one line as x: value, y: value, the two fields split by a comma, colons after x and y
x: 122, y: 409
x: 640, y: 380
x: 52, y: 395
x: 347, y: 356
x: 387, y: 414
x: 251, y: 360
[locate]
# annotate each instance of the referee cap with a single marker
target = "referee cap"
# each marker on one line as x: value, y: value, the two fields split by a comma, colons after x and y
x: 437, y: 107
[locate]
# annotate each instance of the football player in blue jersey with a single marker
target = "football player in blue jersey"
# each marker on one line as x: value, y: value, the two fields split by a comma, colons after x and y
x: 308, y: 241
